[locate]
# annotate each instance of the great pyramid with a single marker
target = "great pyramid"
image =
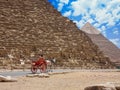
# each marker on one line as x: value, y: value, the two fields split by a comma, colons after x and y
x: 108, y: 48
x: 31, y: 27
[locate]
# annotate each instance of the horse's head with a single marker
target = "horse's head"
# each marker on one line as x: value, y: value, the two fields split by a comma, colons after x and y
x: 48, y: 62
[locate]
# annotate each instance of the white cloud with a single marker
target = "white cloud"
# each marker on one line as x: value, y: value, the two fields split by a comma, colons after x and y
x: 90, y: 20
x: 85, y: 19
x: 60, y: 6
x: 80, y: 7
x: 101, y: 13
x: 116, y: 32
x: 64, y: 1
x: 80, y: 23
x: 105, y: 11
x: 66, y: 14
x: 97, y: 25
x: 103, y: 28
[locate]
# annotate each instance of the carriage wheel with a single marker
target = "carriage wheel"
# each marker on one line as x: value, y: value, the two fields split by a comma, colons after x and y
x: 33, y: 69
x: 43, y: 68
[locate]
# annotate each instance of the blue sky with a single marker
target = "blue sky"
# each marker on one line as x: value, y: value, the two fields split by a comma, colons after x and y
x: 102, y: 14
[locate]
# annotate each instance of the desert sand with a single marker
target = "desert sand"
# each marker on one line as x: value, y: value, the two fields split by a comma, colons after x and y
x: 66, y: 81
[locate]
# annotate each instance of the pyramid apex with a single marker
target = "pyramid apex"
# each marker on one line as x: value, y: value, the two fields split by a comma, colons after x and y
x: 88, y: 23
x: 88, y: 28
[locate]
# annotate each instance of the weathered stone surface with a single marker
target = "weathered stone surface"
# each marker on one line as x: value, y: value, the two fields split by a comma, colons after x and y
x: 95, y: 88
x: 7, y: 79
x: 33, y: 27
x: 117, y: 87
x: 107, y: 86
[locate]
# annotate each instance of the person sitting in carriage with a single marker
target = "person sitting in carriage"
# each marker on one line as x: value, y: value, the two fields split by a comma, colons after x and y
x: 41, y: 61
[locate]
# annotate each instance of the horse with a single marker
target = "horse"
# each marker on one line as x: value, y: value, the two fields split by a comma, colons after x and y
x: 50, y: 64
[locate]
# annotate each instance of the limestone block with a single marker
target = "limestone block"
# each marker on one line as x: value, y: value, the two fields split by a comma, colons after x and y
x: 7, y: 79
x: 107, y: 86
x: 31, y: 75
x: 41, y: 75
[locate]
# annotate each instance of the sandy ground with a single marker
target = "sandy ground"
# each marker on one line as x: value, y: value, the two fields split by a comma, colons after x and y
x: 67, y: 81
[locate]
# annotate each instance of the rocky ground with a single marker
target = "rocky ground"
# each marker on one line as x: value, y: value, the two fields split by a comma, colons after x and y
x: 66, y: 81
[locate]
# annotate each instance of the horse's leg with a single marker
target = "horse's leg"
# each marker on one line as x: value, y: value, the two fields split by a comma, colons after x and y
x: 48, y: 68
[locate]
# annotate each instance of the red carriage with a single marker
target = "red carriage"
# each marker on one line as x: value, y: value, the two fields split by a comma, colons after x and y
x: 40, y: 64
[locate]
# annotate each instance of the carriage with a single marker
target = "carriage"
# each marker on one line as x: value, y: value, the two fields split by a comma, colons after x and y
x: 42, y: 66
